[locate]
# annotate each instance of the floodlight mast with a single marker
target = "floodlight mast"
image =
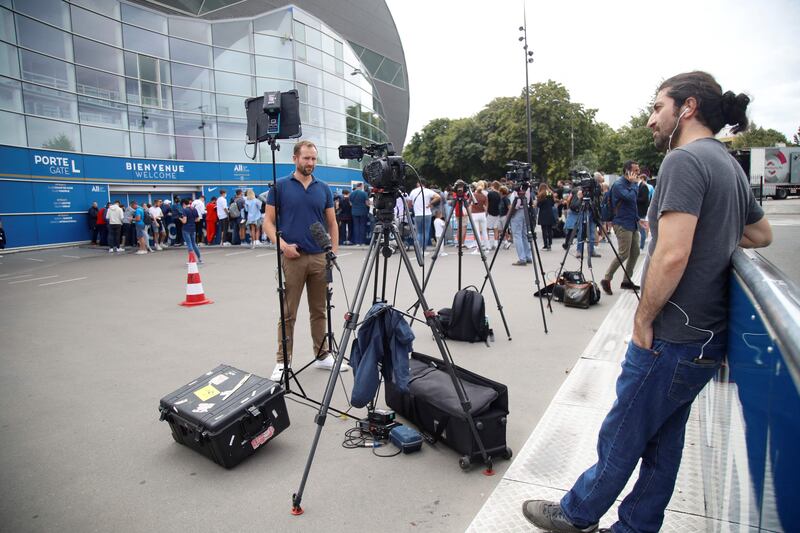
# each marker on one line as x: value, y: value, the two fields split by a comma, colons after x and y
x: 528, y: 60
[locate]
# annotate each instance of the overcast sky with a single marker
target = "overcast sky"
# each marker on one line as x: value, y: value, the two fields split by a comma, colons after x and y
x: 610, y: 55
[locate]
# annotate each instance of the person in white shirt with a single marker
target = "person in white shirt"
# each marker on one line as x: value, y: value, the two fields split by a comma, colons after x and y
x: 199, y: 205
x: 158, y: 230
x: 422, y: 199
x: 115, y: 215
x: 222, y: 218
x: 438, y: 230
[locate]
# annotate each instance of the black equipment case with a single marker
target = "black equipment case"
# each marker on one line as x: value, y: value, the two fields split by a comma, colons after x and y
x: 431, y: 403
x: 226, y: 414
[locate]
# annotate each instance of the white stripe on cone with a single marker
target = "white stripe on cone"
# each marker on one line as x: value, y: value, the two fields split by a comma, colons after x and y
x: 193, y: 268
x: 193, y: 289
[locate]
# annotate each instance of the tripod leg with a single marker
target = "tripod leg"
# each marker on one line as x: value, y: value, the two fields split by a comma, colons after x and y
x: 351, y: 321
x: 433, y: 322
x: 616, y: 254
x: 497, y: 250
x: 428, y: 274
x: 531, y: 229
x: 489, y: 275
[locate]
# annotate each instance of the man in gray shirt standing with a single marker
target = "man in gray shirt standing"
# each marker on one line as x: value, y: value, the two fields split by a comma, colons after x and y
x: 702, y: 209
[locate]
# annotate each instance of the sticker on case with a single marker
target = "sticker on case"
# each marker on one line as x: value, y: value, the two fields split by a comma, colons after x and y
x: 218, y: 379
x: 207, y: 392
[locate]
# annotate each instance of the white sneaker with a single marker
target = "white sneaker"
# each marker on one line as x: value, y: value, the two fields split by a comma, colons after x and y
x: 120, y: 249
x: 474, y: 252
x: 111, y: 250
x: 141, y: 252
x: 506, y: 245
x: 159, y: 248
x: 442, y: 254
x: 226, y: 244
x: 277, y: 373
x: 327, y: 364
x: 244, y: 244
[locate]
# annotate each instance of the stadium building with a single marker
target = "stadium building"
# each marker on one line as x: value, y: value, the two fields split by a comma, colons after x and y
x: 105, y: 99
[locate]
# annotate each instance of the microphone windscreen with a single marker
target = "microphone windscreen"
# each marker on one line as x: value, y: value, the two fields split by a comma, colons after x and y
x: 320, y: 236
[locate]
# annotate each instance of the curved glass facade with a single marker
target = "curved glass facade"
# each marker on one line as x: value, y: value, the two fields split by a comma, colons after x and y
x: 111, y: 78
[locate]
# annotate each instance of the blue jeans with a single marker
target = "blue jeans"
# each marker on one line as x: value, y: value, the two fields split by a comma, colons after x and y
x: 423, y: 224
x: 359, y: 229
x: 642, y: 237
x: 589, y: 238
x: 191, y: 243
x: 655, y: 392
x: 520, y: 234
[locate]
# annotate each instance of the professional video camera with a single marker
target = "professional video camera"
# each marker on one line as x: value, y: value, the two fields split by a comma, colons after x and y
x: 461, y: 189
x: 385, y: 173
x: 520, y: 176
x: 586, y: 182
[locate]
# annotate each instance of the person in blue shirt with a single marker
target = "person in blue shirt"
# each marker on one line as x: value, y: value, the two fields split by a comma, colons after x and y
x: 302, y: 200
x: 188, y: 219
x: 626, y: 226
x: 141, y: 230
x: 359, y: 211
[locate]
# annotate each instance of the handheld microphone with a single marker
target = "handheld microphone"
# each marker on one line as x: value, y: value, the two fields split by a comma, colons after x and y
x: 323, y: 240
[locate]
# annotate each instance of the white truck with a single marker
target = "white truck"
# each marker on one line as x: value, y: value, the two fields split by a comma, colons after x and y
x: 778, y: 169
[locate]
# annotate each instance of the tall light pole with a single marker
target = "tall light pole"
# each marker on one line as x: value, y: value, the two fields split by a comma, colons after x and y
x: 528, y: 59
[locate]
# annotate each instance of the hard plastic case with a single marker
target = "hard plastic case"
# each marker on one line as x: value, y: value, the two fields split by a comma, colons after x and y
x: 226, y: 414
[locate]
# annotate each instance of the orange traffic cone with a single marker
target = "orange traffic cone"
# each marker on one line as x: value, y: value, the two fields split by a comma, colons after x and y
x: 194, y: 287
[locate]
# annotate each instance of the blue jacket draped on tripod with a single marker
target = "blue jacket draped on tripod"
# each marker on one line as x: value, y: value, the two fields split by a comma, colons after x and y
x: 383, y: 339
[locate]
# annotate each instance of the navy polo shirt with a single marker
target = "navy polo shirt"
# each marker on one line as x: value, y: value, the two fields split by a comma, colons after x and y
x: 300, y: 208
x: 623, y: 198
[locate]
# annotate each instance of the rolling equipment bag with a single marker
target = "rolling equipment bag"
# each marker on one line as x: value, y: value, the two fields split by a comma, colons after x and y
x: 432, y: 404
x: 226, y: 414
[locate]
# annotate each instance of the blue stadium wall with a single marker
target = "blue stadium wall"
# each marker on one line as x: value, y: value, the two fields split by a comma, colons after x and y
x: 45, y: 194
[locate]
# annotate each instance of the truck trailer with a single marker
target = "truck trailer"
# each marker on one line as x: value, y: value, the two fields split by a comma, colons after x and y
x: 776, y: 169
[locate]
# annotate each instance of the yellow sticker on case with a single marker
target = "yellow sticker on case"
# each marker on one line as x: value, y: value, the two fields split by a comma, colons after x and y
x: 209, y: 391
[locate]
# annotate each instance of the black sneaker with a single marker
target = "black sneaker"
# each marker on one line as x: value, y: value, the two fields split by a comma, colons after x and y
x: 628, y: 285
x: 549, y: 517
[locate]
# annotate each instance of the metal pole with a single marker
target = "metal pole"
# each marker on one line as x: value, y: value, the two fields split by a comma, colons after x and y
x: 527, y: 83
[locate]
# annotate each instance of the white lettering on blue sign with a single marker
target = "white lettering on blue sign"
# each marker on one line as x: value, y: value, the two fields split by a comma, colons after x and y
x: 58, y: 165
x: 155, y: 170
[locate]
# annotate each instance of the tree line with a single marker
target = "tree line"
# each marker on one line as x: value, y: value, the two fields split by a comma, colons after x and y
x: 565, y: 136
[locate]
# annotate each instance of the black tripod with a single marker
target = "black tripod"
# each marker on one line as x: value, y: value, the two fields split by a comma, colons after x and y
x: 288, y: 374
x: 462, y: 205
x: 383, y: 233
x: 521, y: 203
x: 585, y: 221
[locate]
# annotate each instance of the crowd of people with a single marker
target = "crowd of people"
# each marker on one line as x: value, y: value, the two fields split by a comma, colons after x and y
x: 190, y: 222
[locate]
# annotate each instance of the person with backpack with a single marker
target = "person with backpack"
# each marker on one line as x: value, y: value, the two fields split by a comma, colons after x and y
x: 189, y: 217
x: 626, y: 226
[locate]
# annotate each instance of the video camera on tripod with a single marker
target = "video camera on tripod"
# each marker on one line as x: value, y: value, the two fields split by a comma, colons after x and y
x: 385, y: 174
x: 520, y: 176
x: 583, y: 180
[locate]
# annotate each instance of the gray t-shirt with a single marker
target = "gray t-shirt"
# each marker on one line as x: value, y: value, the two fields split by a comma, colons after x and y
x: 704, y: 180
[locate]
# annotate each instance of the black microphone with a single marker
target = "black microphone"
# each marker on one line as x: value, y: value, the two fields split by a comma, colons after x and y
x: 323, y: 240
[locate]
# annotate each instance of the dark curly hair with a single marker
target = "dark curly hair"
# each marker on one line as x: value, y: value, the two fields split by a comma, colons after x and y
x: 715, y: 108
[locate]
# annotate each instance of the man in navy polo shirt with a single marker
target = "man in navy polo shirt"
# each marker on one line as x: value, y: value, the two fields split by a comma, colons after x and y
x: 303, y: 201
x: 626, y: 226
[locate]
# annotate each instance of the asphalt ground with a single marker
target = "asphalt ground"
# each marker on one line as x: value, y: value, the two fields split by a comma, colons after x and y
x: 91, y: 341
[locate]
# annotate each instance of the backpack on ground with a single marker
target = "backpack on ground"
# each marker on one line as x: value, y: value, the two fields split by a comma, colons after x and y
x: 466, y: 319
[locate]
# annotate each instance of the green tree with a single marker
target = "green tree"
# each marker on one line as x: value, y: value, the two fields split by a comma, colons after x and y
x: 421, y: 151
x: 636, y: 143
x: 757, y: 137
x: 460, y: 149
x: 60, y: 142
x: 607, y: 150
x: 796, y: 137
